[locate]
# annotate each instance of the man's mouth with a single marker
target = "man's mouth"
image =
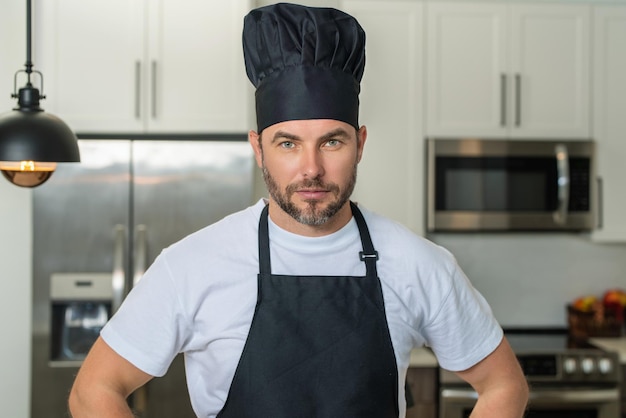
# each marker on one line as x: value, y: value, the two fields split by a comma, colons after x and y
x: 311, y: 194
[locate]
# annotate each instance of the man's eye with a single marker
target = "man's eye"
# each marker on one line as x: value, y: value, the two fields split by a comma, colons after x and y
x: 287, y: 144
x: 332, y: 143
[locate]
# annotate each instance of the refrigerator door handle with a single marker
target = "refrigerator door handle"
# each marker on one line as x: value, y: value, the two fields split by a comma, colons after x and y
x: 141, y: 254
x: 119, y: 277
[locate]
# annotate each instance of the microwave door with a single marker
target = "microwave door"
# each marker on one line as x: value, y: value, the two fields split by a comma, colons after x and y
x: 494, y: 193
x: 494, y: 189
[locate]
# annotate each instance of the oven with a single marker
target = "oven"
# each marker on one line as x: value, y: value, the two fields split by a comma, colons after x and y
x: 566, y: 380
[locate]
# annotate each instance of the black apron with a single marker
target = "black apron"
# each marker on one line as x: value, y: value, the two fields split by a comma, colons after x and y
x: 318, y: 346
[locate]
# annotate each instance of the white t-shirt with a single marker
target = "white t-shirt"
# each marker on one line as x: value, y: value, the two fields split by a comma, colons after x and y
x: 199, y: 296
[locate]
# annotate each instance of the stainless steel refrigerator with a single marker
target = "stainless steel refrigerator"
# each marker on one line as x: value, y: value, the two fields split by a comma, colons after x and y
x: 97, y: 226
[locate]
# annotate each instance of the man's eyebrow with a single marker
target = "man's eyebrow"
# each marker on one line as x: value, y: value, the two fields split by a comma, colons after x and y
x: 335, y: 133
x: 284, y: 135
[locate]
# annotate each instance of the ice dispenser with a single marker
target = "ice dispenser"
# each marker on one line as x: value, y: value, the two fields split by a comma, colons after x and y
x: 81, y: 305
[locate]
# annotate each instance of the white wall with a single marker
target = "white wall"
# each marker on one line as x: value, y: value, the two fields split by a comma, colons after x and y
x: 313, y: 3
x: 15, y: 237
x: 529, y: 278
x: 15, y: 309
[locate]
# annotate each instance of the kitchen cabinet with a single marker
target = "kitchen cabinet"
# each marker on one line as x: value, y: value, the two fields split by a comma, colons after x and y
x: 423, y: 384
x: 144, y: 65
x: 609, y: 122
x: 508, y: 70
x: 391, y: 173
x: 623, y: 391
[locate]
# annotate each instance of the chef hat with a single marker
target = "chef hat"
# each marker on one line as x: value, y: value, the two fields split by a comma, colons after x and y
x: 305, y: 62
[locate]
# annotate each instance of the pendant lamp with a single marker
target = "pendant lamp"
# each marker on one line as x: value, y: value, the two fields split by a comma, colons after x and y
x: 31, y: 140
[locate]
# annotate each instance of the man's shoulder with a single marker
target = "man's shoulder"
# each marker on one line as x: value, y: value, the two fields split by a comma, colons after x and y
x: 387, y: 232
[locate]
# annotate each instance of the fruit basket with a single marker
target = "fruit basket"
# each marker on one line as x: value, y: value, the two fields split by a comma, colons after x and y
x: 593, y: 323
x: 591, y: 316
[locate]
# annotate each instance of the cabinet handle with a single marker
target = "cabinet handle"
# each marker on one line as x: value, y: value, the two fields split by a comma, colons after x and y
x: 600, y: 195
x: 502, y: 99
x: 563, y: 183
x: 518, y: 100
x: 154, y: 89
x: 137, y: 89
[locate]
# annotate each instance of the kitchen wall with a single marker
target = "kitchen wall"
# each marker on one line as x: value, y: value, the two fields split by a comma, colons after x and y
x: 314, y: 3
x: 15, y: 308
x: 529, y: 278
x: 15, y: 238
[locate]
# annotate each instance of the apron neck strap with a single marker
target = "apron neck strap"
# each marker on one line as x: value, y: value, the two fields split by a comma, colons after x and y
x: 369, y: 255
x: 264, y: 243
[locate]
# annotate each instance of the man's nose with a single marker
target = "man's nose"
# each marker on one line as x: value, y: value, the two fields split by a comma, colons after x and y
x: 312, y: 163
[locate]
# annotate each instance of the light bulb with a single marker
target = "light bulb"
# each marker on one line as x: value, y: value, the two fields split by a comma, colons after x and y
x: 27, y: 173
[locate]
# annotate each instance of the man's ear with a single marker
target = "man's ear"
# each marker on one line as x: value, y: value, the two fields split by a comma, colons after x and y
x: 255, y: 141
x: 361, y: 138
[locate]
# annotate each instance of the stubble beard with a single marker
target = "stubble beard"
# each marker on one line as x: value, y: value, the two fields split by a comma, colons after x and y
x: 311, y: 214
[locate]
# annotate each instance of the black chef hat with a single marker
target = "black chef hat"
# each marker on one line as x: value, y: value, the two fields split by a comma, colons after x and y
x: 305, y: 62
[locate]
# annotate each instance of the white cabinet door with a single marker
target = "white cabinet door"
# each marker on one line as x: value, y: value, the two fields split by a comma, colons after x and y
x: 466, y: 69
x: 550, y: 67
x: 609, y: 124
x: 87, y: 51
x: 510, y: 70
x: 391, y: 171
x: 144, y: 65
x: 197, y: 80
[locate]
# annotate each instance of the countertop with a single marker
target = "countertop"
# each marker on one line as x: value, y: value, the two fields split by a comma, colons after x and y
x: 423, y: 357
x: 612, y: 344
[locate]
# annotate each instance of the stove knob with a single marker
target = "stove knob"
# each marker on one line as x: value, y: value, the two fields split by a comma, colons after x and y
x: 605, y: 365
x: 569, y: 365
x: 587, y: 365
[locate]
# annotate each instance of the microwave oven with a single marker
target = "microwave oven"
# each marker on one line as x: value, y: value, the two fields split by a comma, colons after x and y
x: 509, y: 185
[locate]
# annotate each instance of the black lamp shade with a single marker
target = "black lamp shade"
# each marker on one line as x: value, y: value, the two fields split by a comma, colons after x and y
x: 31, y: 140
x: 34, y: 135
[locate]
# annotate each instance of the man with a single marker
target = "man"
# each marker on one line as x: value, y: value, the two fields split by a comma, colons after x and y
x: 304, y: 305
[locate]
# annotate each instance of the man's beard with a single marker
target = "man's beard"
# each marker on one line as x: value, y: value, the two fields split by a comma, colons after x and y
x: 311, y: 214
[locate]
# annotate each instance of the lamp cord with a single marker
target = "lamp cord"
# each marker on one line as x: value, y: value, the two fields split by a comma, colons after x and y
x: 29, y: 62
x: 28, y: 96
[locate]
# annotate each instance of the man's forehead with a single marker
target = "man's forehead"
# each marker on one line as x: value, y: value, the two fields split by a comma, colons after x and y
x: 309, y: 128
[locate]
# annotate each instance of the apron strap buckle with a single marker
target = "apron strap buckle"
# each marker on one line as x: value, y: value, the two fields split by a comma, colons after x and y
x: 363, y: 256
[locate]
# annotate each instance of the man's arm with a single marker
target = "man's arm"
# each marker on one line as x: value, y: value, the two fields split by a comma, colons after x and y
x: 103, y: 383
x: 500, y: 383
